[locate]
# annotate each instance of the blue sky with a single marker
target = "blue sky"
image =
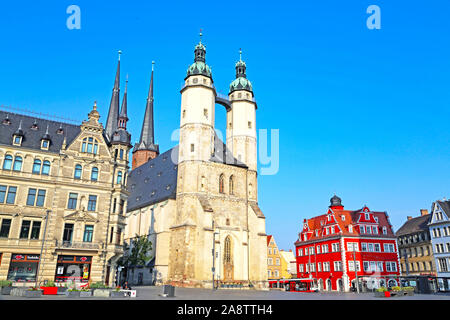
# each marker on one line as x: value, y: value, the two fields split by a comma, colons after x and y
x: 361, y: 113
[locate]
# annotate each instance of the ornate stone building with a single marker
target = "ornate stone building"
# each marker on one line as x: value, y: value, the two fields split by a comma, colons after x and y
x: 274, y: 260
x: 198, y: 202
x: 415, y: 248
x: 63, y: 195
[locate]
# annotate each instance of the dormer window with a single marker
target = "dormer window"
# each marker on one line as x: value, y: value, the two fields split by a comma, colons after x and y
x: 17, y: 140
x: 45, y: 144
x: 350, y: 228
x: 367, y: 216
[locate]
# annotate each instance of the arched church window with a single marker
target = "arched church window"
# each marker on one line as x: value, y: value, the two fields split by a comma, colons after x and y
x: 227, y: 255
x: 231, y: 185
x: 17, y: 163
x: 221, y: 184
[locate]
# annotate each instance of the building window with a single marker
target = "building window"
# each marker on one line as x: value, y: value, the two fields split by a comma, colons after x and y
x: 119, y: 177
x: 17, y: 140
x: 325, y: 248
x: 38, y: 201
x: 231, y: 186
x: 269, y: 261
x: 72, y: 203
x: 94, y: 174
x: 88, y: 233
x: 227, y: 251
x: 11, y: 197
x: 337, y: 266
x: 192, y: 147
x: 363, y: 246
x: 121, y: 154
x: 89, y: 145
x: 221, y: 184
x: 270, y: 250
x: 25, y: 229
x: 334, y: 247
x: 46, y: 168
x: 44, y: 144
x: 35, y: 230
x: 17, y: 164
x: 37, y: 166
x: 92, y: 203
x: 277, y: 262
x: 68, y: 232
x: 352, y: 246
x: 384, y: 230
x: 7, y: 163
x: 6, y: 226
x: 78, y: 170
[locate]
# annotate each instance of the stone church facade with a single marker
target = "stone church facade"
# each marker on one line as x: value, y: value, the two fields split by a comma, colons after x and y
x: 197, y: 202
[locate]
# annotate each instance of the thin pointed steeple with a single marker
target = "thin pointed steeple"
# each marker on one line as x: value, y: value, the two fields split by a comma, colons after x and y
x: 123, y: 118
x: 113, y: 114
x: 147, y: 140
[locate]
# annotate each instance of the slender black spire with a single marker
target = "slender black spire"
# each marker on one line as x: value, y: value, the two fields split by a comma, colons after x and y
x: 123, y: 118
x: 111, y: 122
x: 147, y: 140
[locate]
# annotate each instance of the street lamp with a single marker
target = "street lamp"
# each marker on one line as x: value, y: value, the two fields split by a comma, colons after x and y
x: 42, y: 246
x: 356, y: 270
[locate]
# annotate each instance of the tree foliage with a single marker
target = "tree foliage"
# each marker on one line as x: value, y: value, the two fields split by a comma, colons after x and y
x: 140, y: 252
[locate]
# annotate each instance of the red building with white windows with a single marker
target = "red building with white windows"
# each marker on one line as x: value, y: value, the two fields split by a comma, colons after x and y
x: 330, y: 245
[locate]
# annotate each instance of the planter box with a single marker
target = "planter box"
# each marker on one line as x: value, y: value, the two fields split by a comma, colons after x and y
x: 117, y: 294
x: 49, y: 290
x: 33, y: 293
x: 85, y: 294
x: 62, y: 290
x: 73, y: 294
x: 103, y: 293
x: 6, y: 290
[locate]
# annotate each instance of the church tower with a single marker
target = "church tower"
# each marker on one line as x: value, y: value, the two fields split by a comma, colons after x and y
x: 241, y: 118
x: 197, y: 110
x: 146, y: 149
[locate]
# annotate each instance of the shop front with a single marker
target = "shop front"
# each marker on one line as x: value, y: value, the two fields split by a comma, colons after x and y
x: 73, y: 268
x: 23, y: 267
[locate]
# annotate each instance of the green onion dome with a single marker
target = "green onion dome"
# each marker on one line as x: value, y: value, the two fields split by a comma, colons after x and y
x: 199, y: 67
x: 241, y: 82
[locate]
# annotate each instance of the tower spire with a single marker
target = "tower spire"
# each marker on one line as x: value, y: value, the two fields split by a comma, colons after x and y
x: 123, y: 117
x: 112, y: 120
x: 146, y: 148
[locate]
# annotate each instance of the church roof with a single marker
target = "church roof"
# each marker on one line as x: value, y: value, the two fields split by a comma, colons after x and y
x: 32, y: 137
x: 223, y: 155
x: 154, y: 181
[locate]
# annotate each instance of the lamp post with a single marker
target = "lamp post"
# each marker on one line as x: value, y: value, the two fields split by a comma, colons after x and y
x: 42, y: 247
x: 356, y: 269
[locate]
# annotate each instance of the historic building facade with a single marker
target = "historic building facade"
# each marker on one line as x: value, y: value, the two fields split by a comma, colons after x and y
x: 63, y: 196
x: 414, y: 246
x: 274, y: 260
x: 197, y: 202
x: 288, y: 264
x: 342, y: 245
x: 440, y: 239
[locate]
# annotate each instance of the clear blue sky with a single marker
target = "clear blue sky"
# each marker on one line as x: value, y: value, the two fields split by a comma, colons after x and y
x: 363, y: 113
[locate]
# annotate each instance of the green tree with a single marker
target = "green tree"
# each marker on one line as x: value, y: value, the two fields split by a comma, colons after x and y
x: 140, y: 252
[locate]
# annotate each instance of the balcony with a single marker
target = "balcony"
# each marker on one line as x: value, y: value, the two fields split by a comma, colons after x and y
x: 78, y: 245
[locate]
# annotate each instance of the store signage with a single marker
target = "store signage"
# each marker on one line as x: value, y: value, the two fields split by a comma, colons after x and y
x: 25, y: 257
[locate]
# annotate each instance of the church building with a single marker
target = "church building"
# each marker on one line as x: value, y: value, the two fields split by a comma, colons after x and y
x: 197, y: 202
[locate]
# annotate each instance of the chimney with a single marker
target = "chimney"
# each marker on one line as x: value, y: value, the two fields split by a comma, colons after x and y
x: 409, y: 217
x: 423, y: 212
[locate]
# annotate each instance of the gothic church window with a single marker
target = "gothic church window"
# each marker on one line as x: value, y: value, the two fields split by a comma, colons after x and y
x: 221, y: 184
x: 232, y: 185
x: 227, y: 256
